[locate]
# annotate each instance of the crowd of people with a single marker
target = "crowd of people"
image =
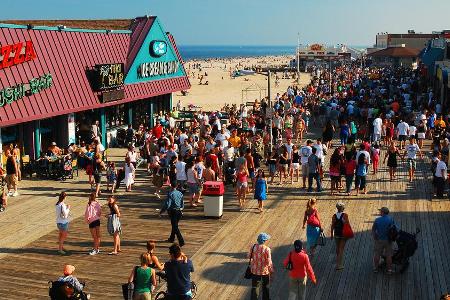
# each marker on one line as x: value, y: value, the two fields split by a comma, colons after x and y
x: 377, y: 114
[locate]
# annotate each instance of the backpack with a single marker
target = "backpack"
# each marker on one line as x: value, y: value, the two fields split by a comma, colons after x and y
x: 392, y: 232
x: 339, y: 225
x: 361, y: 159
x: 353, y: 128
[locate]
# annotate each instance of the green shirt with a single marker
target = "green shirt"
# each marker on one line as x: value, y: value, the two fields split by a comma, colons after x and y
x: 143, y: 280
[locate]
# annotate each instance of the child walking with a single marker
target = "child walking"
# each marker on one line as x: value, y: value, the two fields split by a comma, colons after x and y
x: 261, y: 189
x: 375, y: 153
x: 111, y: 176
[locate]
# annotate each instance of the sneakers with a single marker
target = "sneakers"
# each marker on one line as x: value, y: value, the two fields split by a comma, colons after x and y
x: 62, y: 252
x: 2, y: 209
x: 94, y: 252
x: 15, y: 194
x: 9, y: 193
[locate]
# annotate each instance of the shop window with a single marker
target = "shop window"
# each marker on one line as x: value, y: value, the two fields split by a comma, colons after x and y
x: 140, y: 113
x: 115, y: 116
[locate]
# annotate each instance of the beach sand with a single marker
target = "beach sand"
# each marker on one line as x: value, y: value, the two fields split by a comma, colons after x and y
x: 222, y: 89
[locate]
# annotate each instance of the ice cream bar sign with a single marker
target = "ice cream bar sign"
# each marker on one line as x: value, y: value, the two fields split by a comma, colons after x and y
x: 11, y: 55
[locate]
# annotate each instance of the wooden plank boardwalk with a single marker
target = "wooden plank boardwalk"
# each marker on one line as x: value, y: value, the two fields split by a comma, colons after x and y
x: 218, y: 247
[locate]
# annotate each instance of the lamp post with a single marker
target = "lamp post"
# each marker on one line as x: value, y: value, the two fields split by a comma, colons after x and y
x: 269, y: 96
x: 298, y: 58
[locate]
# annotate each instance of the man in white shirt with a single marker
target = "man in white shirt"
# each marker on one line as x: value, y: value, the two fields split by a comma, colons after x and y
x: 305, y: 152
x: 181, y: 173
x: 402, y: 131
x: 412, y: 131
x: 440, y: 176
x: 411, y: 152
x: 223, y: 137
x: 362, y: 150
x: 183, y: 136
x: 377, y: 124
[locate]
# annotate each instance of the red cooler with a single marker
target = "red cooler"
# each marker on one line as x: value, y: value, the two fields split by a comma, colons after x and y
x: 213, y: 198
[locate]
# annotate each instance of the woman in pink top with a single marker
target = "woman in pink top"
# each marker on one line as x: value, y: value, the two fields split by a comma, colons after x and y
x: 241, y: 185
x: 300, y: 270
x: 92, y: 217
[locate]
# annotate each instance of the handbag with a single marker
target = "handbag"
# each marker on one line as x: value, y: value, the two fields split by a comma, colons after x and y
x: 321, y: 240
x: 248, y: 272
x: 289, y: 265
x: 347, y: 231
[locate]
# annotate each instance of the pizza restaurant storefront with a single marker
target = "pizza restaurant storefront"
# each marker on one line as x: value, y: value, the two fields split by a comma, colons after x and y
x: 59, y: 84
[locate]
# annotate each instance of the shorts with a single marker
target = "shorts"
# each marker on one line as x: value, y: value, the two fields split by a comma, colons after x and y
x: 295, y: 166
x: 193, y: 188
x: 11, y: 180
x: 411, y: 164
x: 305, y: 170
x: 383, y: 247
x: 98, y: 178
x: 241, y: 185
x: 63, y: 226
x: 402, y: 138
x: 421, y: 135
x: 94, y: 224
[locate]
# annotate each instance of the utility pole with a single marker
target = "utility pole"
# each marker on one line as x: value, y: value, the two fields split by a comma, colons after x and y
x: 298, y: 58
x: 269, y: 96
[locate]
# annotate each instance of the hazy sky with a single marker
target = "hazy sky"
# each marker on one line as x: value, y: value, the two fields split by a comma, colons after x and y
x: 254, y: 22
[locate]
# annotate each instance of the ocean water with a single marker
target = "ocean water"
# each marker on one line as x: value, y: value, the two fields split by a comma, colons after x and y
x: 204, y: 52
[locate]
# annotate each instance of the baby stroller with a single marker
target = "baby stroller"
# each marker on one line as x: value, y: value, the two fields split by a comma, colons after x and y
x: 59, y: 290
x: 230, y: 173
x: 407, y: 245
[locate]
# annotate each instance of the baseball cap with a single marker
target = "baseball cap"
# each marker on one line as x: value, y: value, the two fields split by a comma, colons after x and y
x: 384, y: 210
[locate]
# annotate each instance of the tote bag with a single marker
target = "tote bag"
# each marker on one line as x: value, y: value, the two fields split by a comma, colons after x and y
x: 347, y: 231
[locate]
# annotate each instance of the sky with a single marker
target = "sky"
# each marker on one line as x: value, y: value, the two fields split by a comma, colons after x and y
x: 254, y: 22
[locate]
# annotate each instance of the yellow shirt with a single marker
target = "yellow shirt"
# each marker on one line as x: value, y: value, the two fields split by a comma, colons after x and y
x: 235, y: 141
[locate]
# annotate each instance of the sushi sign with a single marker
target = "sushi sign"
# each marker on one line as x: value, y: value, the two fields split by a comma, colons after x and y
x: 11, y: 55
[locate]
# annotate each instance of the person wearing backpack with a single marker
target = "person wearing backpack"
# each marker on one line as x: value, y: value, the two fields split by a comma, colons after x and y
x: 337, y: 226
x: 300, y: 269
x: 383, y: 231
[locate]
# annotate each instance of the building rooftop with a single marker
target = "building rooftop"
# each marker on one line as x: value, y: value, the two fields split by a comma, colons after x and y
x: 396, y: 52
x: 111, y: 24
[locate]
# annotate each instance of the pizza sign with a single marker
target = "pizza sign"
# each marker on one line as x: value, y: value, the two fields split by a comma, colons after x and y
x: 11, y: 55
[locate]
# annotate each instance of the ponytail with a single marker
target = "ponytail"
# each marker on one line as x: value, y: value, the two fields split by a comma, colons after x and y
x: 61, y: 197
x: 311, y: 202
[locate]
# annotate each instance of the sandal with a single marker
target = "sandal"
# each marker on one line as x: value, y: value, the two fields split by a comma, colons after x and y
x: 389, y: 272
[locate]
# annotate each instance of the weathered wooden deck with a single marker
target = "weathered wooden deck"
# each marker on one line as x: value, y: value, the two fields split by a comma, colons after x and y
x: 218, y: 247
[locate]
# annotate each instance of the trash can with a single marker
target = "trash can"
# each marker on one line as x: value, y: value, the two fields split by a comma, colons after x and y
x: 213, y: 198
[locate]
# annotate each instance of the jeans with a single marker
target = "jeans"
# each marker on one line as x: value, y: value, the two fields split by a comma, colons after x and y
x: 175, y: 217
x: 260, y: 282
x: 297, y: 288
x: 315, y: 176
x: 360, y: 182
x: 348, y: 182
x: 440, y: 186
x: 344, y: 138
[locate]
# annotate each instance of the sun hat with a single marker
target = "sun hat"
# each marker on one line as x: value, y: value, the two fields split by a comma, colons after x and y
x: 68, y: 270
x: 263, y: 237
x: 298, y: 246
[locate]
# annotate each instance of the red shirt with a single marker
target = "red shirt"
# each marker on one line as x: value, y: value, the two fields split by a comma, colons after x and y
x: 157, y: 131
x: 350, y: 166
x: 301, y: 264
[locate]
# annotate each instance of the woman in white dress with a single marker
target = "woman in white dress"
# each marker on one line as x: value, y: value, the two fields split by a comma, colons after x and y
x: 129, y: 174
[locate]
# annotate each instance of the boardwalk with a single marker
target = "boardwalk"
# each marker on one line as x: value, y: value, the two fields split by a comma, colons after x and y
x: 218, y: 247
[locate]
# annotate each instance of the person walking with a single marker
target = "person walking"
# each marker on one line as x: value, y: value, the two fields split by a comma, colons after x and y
x: 178, y: 272
x: 114, y: 226
x: 299, y: 272
x: 361, y: 173
x: 261, y: 267
x: 129, y: 170
x: 193, y: 184
x: 440, y: 176
x: 92, y: 216
x: 12, y: 174
x: 337, y: 225
x: 314, y: 170
x: 174, y: 206
x: 311, y: 222
x: 305, y: 151
x: 382, y: 241
x: 62, y: 221
x: 3, y: 194
x: 97, y: 167
x: 350, y: 167
x: 241, y: 185
x: 411, y: 152
x: 143, y: 278
x: 261, y: 189
x: 391, y: 156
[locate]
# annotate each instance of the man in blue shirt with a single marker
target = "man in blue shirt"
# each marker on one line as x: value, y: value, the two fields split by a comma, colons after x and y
x: 174, y: 206
x: 383, y: 245
x: 178, y: 271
